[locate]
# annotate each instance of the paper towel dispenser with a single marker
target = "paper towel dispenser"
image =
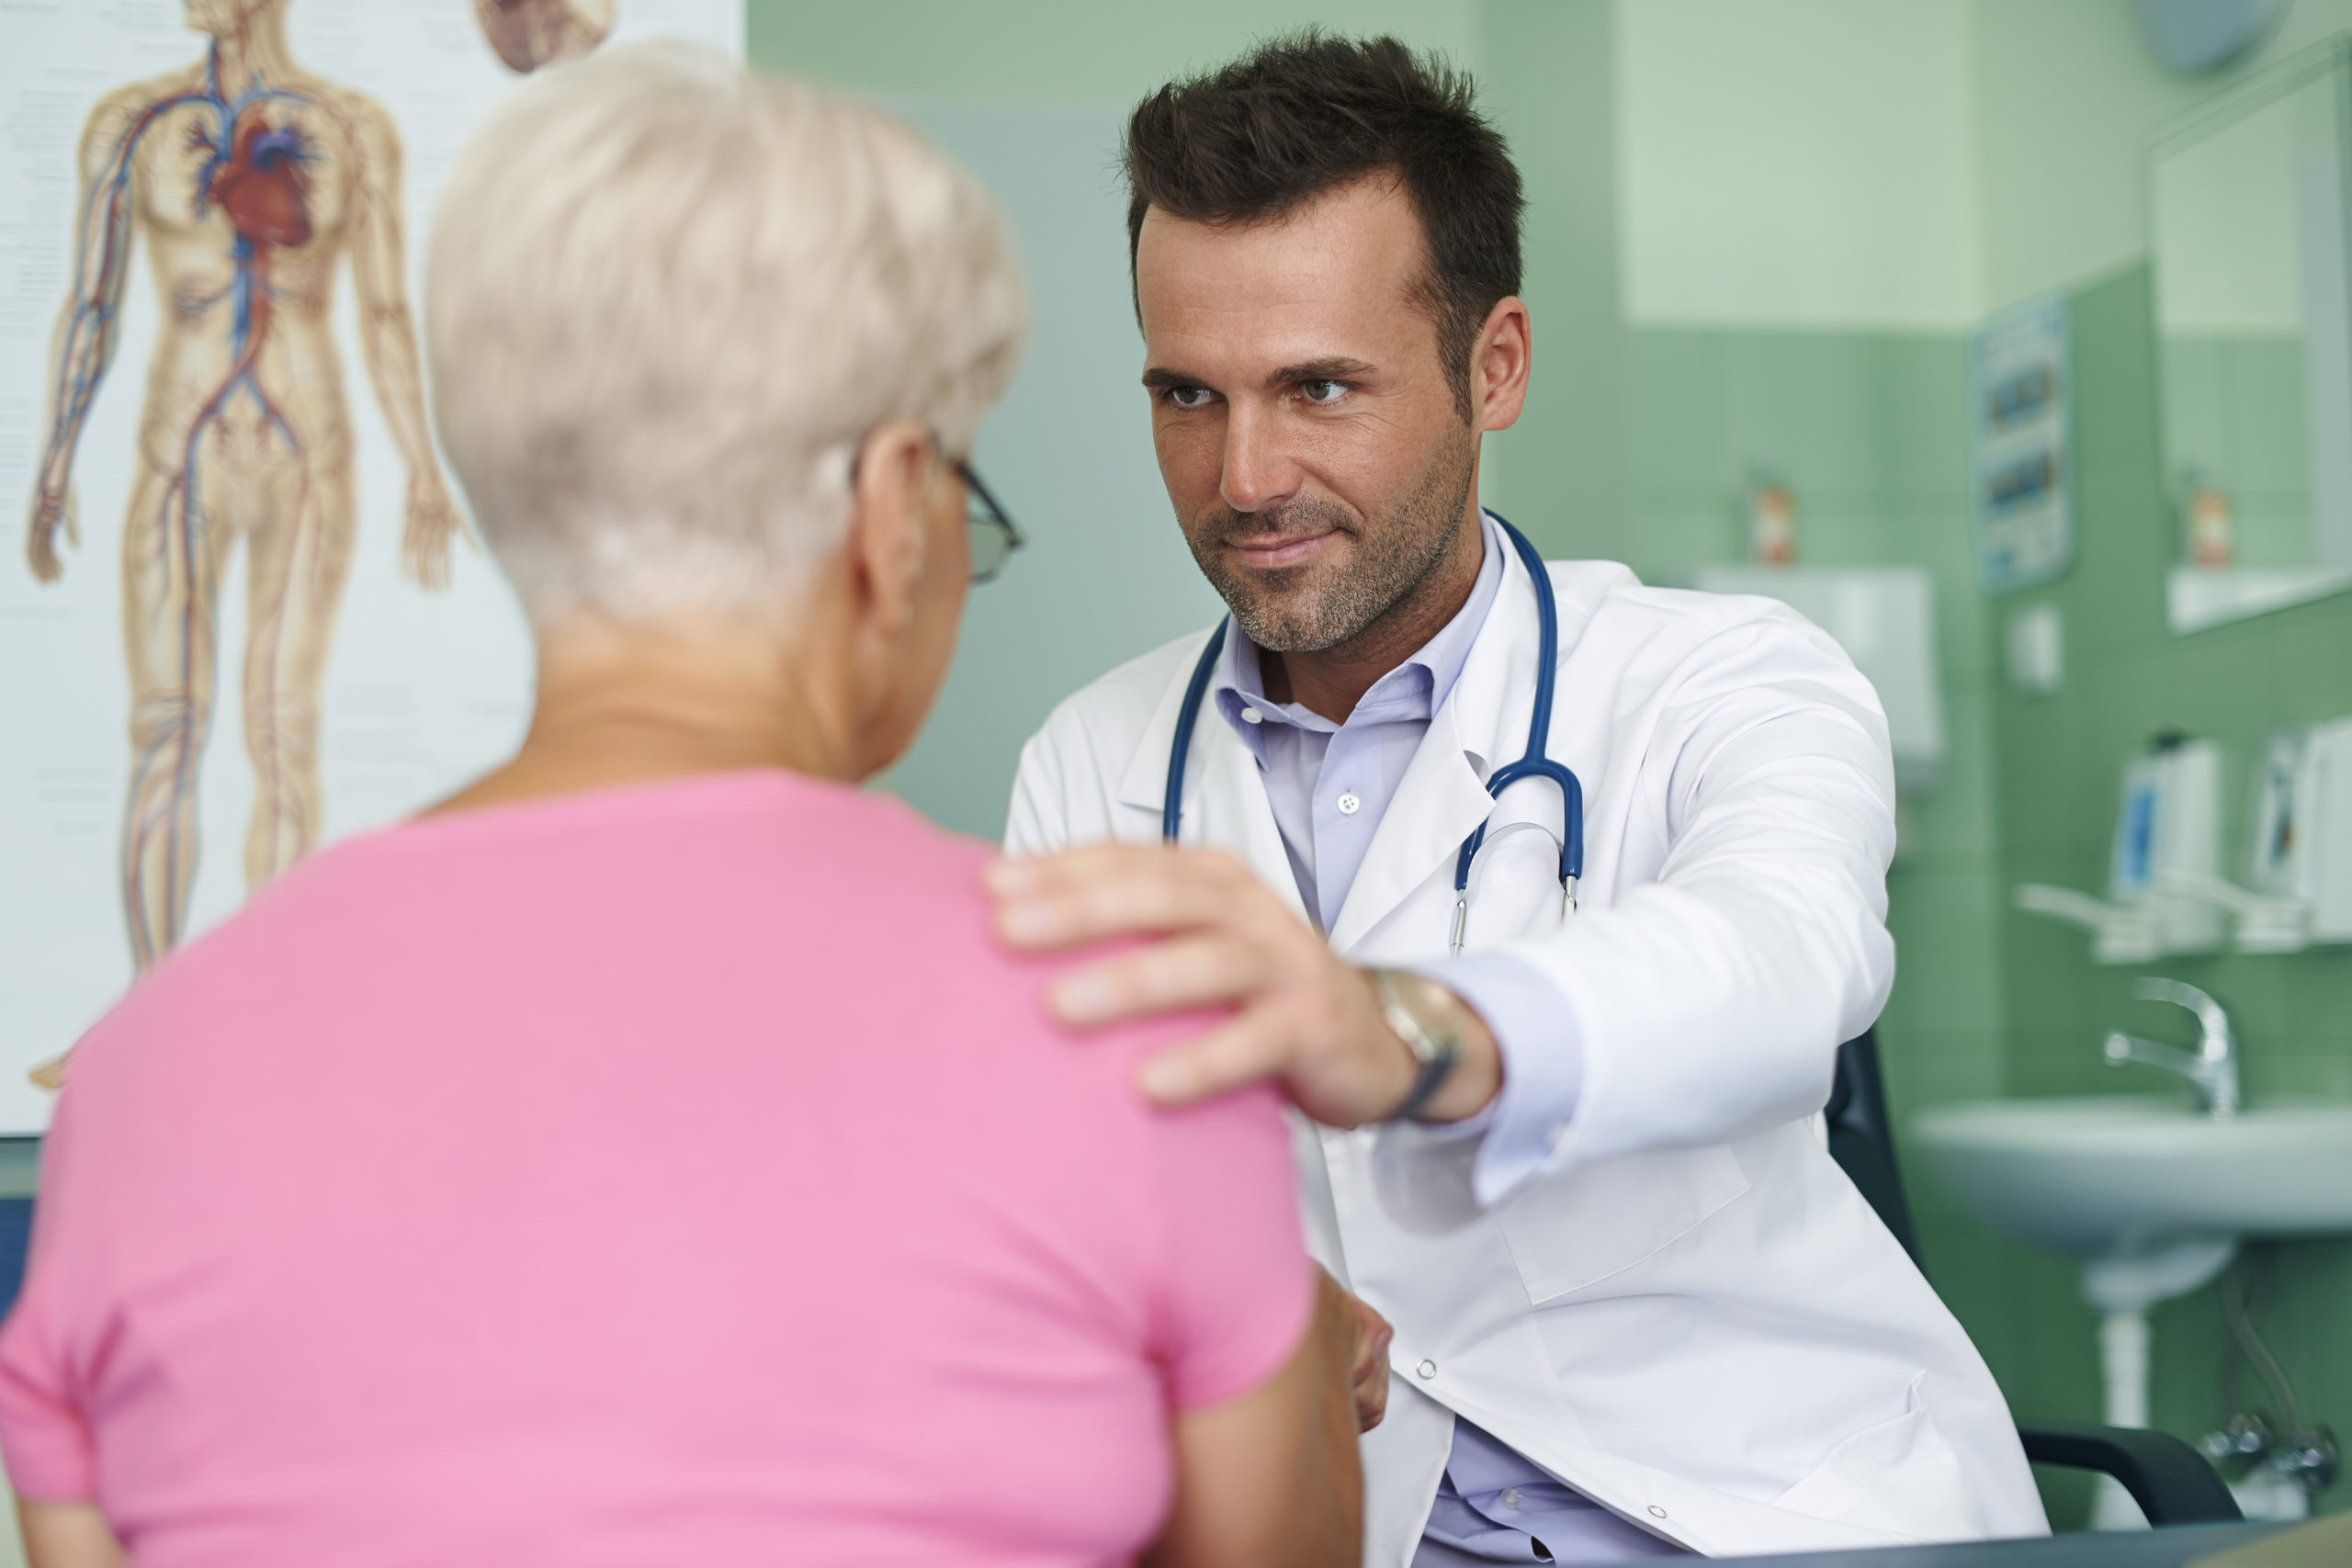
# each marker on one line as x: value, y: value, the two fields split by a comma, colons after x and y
x: 2302, y: 825
x: 1885, y: 617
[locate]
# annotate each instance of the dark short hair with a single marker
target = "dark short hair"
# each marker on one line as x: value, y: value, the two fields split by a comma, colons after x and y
x: 1303, y: 114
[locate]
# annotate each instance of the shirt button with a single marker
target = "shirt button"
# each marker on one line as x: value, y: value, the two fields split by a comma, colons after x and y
x: 1426, y: 1370
x: 1251, y: 715
x: 1509, y: 1498
x: 1350, y: 805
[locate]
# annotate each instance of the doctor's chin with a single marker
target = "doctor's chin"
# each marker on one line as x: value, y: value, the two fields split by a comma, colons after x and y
x: 1274, y: 784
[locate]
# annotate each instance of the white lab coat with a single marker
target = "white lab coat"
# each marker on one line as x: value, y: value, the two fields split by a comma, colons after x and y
x: 1689, y: 1314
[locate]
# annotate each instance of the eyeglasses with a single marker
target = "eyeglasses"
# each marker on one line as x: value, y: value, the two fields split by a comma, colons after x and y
x: 994, y: 538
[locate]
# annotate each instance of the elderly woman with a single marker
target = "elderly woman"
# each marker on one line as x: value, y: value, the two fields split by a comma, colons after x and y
x: 646, y: 1156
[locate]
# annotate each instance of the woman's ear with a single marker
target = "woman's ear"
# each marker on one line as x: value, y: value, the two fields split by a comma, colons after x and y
x: 887, y: 540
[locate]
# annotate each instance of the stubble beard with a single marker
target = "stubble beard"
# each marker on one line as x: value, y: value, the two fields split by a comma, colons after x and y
x: 1394, y: 557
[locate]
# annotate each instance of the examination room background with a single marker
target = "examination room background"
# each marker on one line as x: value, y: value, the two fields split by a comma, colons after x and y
x: 1759, y: 234
x: 1759, y: 231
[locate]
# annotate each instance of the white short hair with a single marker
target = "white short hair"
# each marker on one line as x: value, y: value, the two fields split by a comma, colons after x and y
x: 667, y: 297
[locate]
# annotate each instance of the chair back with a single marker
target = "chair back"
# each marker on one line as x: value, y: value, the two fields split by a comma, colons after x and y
x: 1862, y: 1141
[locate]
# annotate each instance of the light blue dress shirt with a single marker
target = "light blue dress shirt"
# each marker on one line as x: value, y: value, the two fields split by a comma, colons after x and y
x: 1329, y: 785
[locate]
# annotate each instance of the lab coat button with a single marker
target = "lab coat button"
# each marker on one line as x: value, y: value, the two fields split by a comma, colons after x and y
x: 1656, y: 1512
x: 1350, y: 805
x: 1251, y: 715
x: 1426, y: 1370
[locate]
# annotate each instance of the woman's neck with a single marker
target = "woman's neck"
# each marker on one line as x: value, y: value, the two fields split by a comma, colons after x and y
x: 620, y: 705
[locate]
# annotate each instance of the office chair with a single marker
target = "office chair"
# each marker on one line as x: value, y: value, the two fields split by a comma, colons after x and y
x: 2169, y: 1479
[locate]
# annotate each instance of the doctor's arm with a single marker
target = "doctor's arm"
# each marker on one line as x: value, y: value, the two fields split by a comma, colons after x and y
x: 1692, y: 1008
x: 1709, y: 1003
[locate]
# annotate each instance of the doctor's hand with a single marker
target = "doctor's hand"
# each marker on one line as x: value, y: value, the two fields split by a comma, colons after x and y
x: 1300, y: 1016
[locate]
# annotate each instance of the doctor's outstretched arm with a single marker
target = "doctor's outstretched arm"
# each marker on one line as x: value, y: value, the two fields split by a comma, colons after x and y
x: 1696, y: 1007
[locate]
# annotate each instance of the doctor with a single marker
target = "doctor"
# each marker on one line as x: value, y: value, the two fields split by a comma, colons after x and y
x: 1636, y: 1308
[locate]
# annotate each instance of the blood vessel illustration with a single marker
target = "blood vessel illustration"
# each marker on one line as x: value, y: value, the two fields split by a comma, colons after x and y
x: 529, y: 34
x: 249, y: 180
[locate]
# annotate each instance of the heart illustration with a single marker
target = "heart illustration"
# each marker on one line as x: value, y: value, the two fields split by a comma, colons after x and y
x: 262, y: 188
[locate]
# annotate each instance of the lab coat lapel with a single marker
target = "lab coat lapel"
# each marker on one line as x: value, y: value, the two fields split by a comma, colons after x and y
x: 1442, y: 797
x: 1234, y: 812
x: 1440, y: 802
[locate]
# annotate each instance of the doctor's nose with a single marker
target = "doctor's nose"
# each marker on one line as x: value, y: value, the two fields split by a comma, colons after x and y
x: 1257, y: 472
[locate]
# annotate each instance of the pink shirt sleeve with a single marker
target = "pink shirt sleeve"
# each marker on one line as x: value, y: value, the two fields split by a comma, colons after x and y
x: 43, y: 1434
x: 1239, y: 1291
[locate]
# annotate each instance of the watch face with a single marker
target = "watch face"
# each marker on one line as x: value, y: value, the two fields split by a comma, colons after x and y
x: 1434, y: 1006
x: 1428, y: 1008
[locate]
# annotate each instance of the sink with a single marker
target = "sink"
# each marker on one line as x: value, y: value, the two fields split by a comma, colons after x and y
x: 2095, y: 1177
x: 2152, y: 1195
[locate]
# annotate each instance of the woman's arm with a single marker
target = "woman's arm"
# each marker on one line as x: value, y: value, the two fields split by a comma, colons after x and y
x: 1269, y: 1478
x: 67, y: 1535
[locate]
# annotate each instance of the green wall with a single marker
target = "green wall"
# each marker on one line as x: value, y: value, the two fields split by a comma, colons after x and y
x: 1062, y: 52
x: 1560, y: 473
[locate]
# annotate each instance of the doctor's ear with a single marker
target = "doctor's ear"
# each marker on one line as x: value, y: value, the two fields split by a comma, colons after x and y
x: 1500, y: 358
x: 885, y: 546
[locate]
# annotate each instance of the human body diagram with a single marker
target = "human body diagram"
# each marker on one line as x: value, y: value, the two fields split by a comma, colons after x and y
x: 249, y: 180
x: 529, y: 34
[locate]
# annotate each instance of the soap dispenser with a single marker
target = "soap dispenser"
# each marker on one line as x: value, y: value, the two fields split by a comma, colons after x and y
x: 2169, y: 840
x: 2165, y: 859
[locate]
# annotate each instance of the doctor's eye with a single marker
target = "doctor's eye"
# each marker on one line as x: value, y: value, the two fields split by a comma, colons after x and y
x: 1189, y: 397
x: 1323, y: 391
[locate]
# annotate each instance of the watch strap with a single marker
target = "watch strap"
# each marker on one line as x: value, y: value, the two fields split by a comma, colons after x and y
x: 1434, y: 1052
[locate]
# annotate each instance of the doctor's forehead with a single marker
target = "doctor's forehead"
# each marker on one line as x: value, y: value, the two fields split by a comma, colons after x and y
x: 1341, y: 275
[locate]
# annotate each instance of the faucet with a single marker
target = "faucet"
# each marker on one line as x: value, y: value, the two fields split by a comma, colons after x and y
x: 2211, y: 1069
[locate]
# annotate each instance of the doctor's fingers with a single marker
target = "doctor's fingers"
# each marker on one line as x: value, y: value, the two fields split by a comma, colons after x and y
x: 1109, y: 890
x: 1285, y: 1033
x: 1246, y: 1049
x: 1197, y: 969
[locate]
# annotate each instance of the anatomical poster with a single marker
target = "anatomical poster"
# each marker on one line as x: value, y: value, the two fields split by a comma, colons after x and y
x: 241, y: 613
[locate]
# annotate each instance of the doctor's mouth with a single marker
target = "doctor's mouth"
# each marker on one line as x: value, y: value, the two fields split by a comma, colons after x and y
x: 1298, y: 530
x: 1274, y: 555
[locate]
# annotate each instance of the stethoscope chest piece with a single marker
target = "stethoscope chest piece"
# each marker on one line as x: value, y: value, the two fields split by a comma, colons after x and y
x: 1514, y: 889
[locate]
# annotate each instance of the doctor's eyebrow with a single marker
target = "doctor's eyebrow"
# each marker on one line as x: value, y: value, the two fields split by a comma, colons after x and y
x: 1319, y: 371
x: 1161, y: 379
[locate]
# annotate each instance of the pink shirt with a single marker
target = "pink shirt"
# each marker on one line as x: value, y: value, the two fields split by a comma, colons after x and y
x: 675, y: 1174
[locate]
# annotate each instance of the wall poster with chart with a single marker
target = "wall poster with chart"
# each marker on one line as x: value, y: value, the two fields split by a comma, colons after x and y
x: 239, y: 613
x: 2018, y: 423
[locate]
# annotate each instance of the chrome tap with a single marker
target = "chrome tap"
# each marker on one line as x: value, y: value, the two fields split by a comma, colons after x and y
x: 2211, y: 1069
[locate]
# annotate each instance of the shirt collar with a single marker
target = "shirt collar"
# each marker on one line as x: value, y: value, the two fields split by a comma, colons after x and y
x: 1412, y: 692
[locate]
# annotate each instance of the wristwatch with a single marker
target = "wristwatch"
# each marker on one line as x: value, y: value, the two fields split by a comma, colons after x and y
x: 1422, y: 1013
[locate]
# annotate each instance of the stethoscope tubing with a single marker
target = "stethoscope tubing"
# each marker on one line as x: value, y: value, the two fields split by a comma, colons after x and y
x: 1533, y: 764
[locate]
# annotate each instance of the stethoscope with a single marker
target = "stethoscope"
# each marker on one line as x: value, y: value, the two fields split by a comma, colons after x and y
x: 1534, y: 765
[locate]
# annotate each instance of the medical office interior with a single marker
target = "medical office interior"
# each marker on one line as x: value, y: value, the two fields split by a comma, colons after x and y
x: 2010, y: 340
x: 1777, y: 251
